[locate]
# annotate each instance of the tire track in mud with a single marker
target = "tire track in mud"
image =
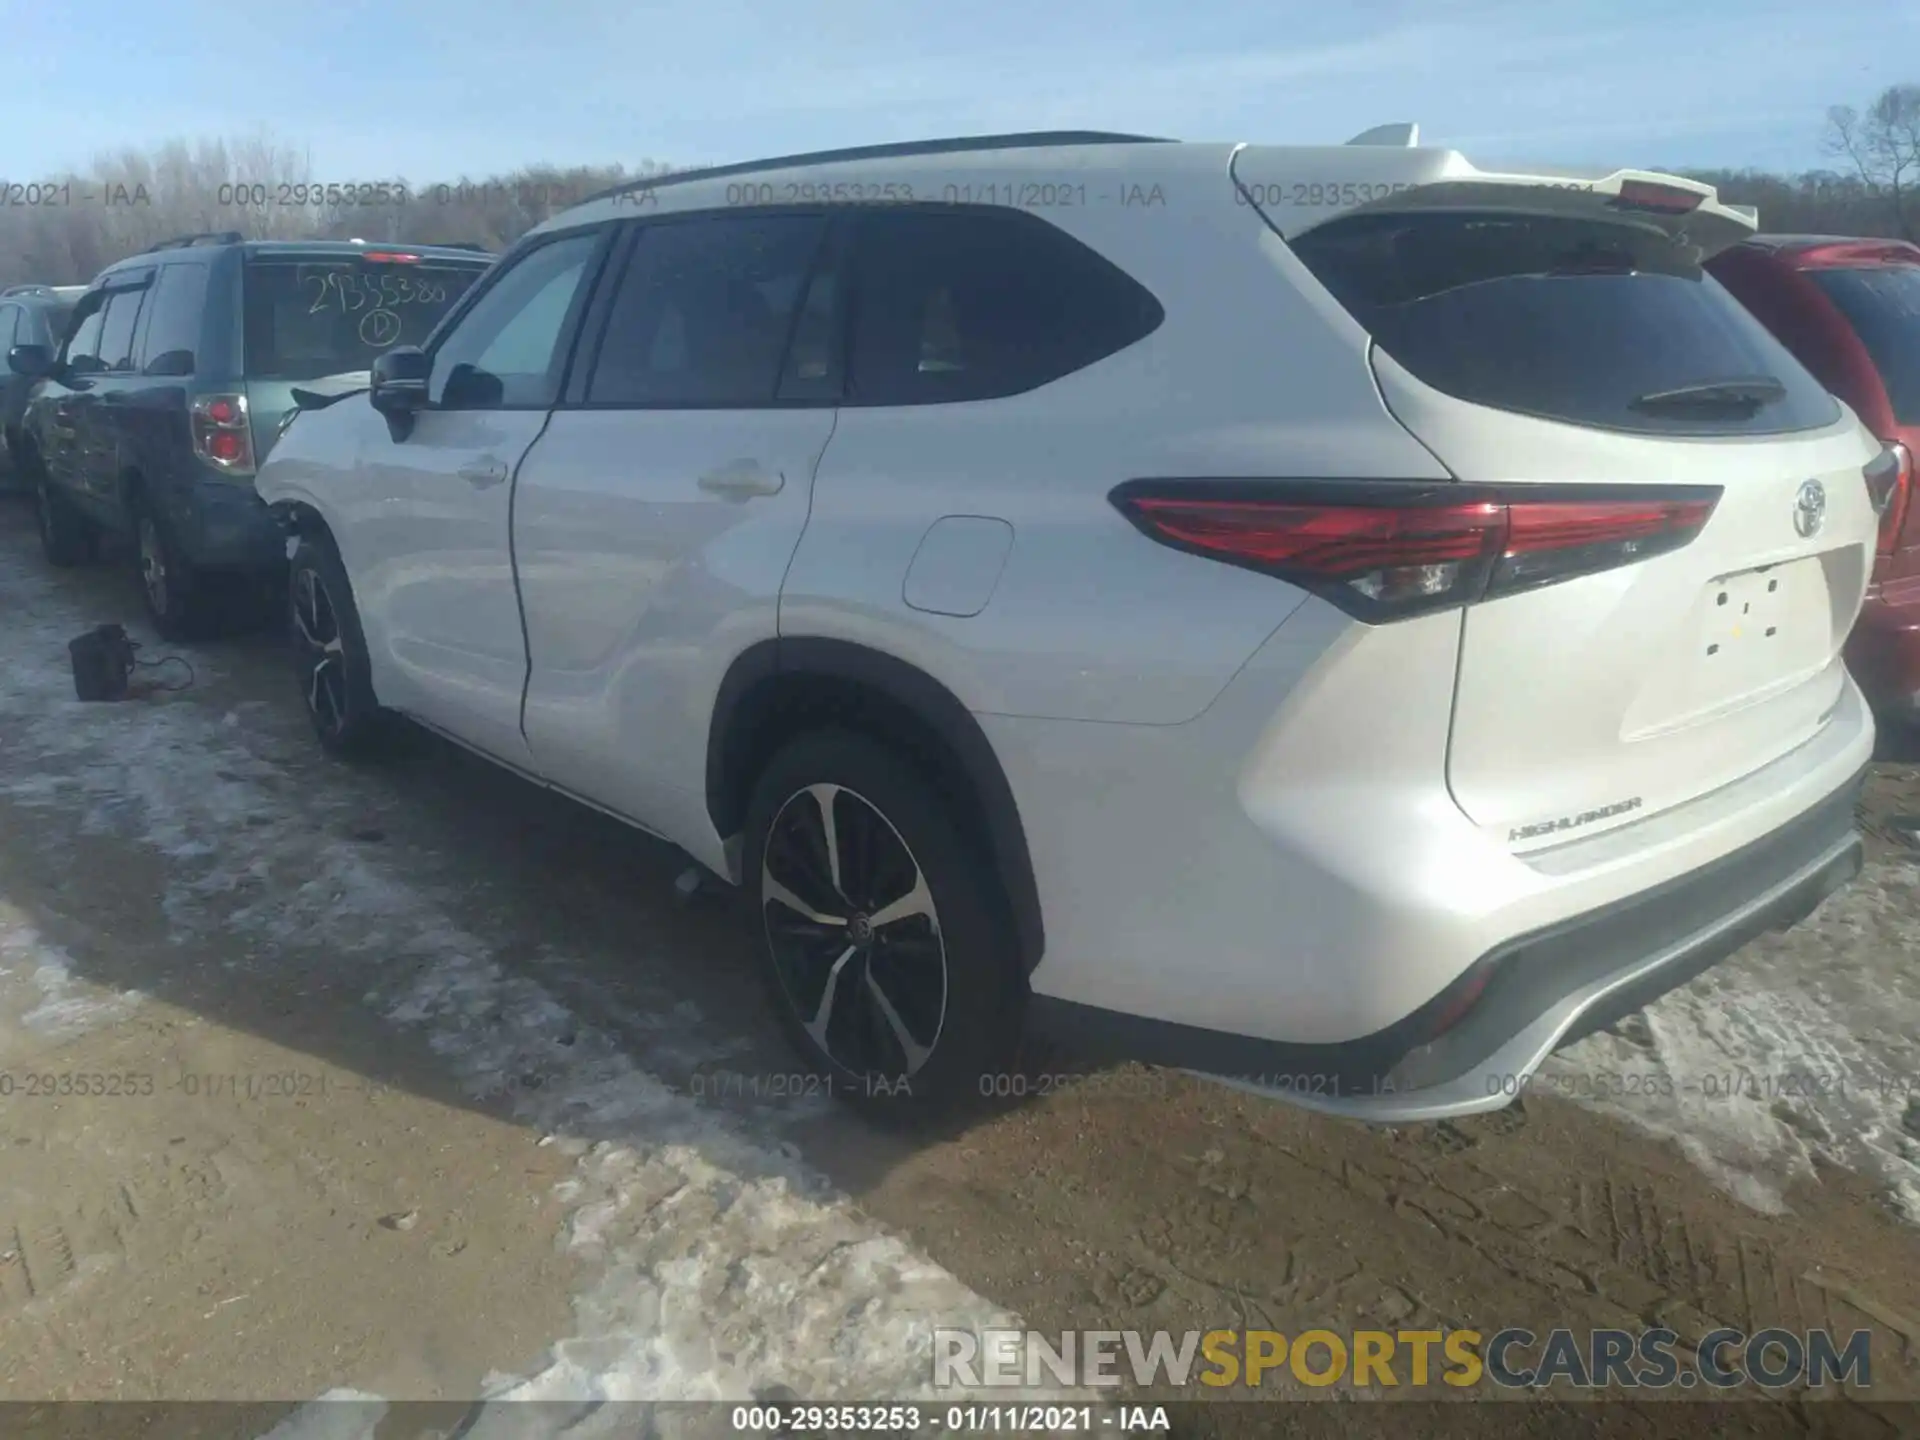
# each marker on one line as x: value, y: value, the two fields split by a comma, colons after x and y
x: 1206, y: 1212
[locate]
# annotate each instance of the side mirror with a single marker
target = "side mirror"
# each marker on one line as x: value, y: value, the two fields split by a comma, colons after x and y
x: 33, y: 361
x: 399, y: 381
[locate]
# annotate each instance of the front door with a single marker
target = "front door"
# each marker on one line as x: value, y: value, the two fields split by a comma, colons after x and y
x: 427, y: 523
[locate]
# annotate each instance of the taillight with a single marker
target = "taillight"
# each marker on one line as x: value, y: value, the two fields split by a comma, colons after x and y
x: 391, y: 257
x: 221, y: 435
x: 1889, y: 477
x: 1384, y: 550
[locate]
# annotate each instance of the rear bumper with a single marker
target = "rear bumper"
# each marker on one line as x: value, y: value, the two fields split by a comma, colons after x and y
x: 1542, y: 990
x: 1884, y: 650
x: 227, y: 526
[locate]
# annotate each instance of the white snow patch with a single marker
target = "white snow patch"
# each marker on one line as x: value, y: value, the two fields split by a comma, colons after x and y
x: 38, y: 987
x: 340, y: 1414
x: 1805, y: 1045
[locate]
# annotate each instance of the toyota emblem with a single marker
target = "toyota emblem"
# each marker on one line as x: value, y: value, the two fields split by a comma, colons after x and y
x: 1810, y: 509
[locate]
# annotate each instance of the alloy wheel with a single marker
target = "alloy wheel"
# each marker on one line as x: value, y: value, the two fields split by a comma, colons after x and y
x: 854, y: 933
x: 317, y: 630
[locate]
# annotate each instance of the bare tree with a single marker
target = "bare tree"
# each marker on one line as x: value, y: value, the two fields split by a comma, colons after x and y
x: 1883, y: 146
x: 74, y: 224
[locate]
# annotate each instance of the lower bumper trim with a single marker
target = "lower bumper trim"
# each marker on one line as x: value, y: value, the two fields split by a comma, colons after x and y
x: 1550, y: 989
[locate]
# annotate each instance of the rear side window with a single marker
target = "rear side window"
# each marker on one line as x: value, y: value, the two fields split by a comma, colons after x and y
x: 1593, y: 323
x: 956, y: 305
x: 176, y: 302
x: 1883, y: 306
x: 308, y: 318
x: 704, y: 310
x: 10, y: 317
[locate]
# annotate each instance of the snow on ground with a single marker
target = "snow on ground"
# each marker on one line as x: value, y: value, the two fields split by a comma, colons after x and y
x: 38, y: 991
x: 725, y: 1268
x: 1805, y: 1044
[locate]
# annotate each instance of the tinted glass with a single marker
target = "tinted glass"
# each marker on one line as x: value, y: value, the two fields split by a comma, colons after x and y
x: 309, y: 318
x: 703, y: 312
x: 50, y: 328
x: 1883, y: 306
x: 10, y: 326
x: 175, y: 305
x: 967, y: 305
x: 116, y: 331
x: 509, y: 349
x: 83, y: 350
x: 1565, y: 318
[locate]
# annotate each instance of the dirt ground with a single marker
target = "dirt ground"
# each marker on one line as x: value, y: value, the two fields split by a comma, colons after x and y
x: 419, y: 1082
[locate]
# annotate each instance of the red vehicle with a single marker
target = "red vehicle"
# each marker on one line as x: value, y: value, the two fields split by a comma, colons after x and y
x: 1849, y: 309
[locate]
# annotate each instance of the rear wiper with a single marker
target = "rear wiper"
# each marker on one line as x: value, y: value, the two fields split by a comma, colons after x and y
x: 1746, y: 393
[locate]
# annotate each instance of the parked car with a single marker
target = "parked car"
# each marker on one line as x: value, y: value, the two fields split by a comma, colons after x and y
x: 29, y: 315
x: 1849, y: 309
x: 153, y: 414
x: 1330, y: 618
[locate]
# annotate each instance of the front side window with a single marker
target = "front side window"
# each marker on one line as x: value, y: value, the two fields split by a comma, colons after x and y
x: 510, y: 349
x: 82, y: 352
x: 704, y: 310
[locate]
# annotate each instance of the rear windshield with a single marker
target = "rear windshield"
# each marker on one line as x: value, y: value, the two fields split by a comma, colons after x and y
x: 1883, y: 306
x: 309, y: 318
x: 1595, y: 323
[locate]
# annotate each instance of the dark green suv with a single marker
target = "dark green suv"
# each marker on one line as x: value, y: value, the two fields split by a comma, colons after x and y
x: 178, y: 366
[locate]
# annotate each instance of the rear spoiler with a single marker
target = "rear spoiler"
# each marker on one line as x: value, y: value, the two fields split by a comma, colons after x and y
x: 1297, y: 189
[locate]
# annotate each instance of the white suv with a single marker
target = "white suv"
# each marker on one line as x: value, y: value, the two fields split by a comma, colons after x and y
x: 1329, y: 618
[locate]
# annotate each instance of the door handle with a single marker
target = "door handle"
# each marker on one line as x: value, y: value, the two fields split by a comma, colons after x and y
x: 741, y: 479
x: 483, y: 473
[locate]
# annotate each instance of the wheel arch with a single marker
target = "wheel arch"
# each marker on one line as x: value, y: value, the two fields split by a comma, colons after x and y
x: 779, y: 688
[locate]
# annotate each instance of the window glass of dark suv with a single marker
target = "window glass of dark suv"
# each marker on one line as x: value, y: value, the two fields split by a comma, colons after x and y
x: 1605, y: 324
x: 960, y: 304
x: 308, y: 316
x: 176, y: 302
x: 1882, y: 303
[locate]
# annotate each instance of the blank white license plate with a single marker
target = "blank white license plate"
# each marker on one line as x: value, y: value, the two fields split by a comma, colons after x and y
x: 1762, y: 625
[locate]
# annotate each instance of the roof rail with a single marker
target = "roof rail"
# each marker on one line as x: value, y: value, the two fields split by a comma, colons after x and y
x: 1026, y: 140
x: 27, y: 290
x: 209, y: 237
x: 1401, y: 134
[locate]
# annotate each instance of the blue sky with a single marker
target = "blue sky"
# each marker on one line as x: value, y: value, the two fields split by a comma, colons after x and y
x: 428, y: 90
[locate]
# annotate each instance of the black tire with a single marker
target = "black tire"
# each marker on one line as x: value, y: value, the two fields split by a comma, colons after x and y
x: 330, y: 652
x: 174, y: 591
x: 892, y: 830
x: 67, y: 537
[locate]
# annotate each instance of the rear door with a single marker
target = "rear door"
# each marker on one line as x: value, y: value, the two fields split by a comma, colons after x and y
x: 1562, y: 338
x: 655, y: 518
x: 112, y: 445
